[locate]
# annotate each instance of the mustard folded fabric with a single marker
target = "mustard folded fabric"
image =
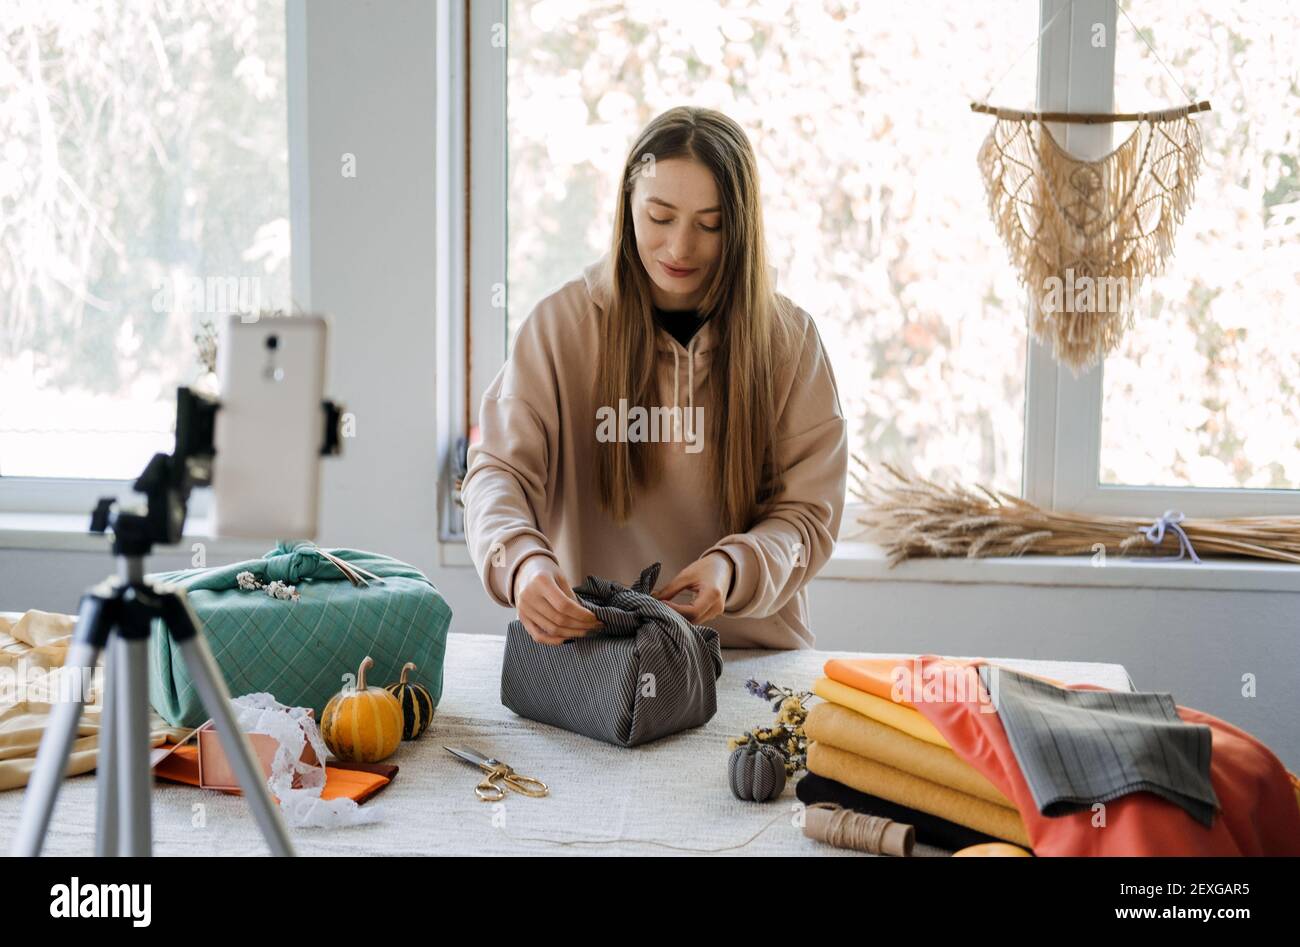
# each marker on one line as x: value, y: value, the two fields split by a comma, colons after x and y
x: 877, y: 779
x: 899, y: 716
x: 32, y: 645
x: 844, y: 729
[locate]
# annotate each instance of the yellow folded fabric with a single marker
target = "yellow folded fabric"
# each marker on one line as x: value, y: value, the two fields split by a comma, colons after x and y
x: 899, y: 716
x: 32, y: 645
x: 877, y: 779
x: 844, y: 729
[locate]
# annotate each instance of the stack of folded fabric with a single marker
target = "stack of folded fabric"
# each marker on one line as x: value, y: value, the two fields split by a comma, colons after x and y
x: 1063, y: 770
x: 872, y: 753
x: 1097, y: 772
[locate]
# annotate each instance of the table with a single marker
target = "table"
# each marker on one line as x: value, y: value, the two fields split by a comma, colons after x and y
x: 673, y: 791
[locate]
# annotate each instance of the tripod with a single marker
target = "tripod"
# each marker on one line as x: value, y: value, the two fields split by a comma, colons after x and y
x: 115, y: 618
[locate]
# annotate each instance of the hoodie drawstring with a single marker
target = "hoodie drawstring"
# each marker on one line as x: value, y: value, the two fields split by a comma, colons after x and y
x: 676, y: 385
x: 690, y: 389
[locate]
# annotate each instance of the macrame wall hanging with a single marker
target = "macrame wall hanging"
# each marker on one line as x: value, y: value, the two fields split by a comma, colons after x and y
x: 1085, y: 234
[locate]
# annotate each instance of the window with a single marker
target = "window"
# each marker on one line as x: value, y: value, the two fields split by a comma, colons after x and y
x: 1206, y: 392
x: 1192, y: 413
x: 143, y: 192
x: 872, y: 200
x: 877, y: 223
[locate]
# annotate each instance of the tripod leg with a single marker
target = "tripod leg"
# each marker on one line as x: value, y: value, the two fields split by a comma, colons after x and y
x: 211, y: 686
x: 106, y: 771
x: 132, y: 712
x: 94, y: 623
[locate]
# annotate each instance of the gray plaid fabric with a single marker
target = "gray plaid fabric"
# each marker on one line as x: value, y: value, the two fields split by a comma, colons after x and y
x: 1079, y: 747
x: 647, y: 674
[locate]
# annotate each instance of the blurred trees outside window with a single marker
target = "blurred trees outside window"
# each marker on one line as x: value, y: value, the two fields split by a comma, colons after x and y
x: 143, y: 191
x: 878, y: 226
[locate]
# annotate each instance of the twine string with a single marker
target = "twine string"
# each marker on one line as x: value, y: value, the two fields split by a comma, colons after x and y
x: 1155, y: 534
x: 849, y: 829
x: 645, y: 841
x: 354, y: 573
x: 1068, y: 6
x: 846, y: 829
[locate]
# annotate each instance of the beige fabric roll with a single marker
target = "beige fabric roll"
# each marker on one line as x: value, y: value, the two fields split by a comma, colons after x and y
x: 32, y: 644
x: 877, y: 779
x: 845, y: 729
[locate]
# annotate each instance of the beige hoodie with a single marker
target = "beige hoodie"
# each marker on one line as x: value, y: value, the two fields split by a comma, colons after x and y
x: 530, y: 487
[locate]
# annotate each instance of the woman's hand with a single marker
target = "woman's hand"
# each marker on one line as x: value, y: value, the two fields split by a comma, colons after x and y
x: 709, y: 577
x: 547, y: 606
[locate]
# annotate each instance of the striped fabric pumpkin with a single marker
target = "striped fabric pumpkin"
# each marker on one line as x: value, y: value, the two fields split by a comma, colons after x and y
x: 756, y: 772
x: 416, y: 703
x: 363, y: 725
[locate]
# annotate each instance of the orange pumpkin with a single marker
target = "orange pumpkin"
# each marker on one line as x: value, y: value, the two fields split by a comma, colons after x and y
x: 364, y: 724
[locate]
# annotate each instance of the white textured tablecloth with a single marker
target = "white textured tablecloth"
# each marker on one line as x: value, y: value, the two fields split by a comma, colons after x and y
x: 673, y: 791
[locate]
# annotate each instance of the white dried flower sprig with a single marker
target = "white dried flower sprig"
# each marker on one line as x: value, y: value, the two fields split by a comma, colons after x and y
x: 275, y: 588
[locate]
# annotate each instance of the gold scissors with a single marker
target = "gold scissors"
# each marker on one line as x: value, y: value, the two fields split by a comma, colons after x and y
x: 499, y: 776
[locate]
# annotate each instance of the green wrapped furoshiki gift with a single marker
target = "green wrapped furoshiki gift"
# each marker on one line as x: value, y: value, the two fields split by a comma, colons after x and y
x: 299, y: 651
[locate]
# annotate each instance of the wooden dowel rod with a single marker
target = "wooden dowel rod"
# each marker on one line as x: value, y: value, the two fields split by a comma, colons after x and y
x: 1091, y: 118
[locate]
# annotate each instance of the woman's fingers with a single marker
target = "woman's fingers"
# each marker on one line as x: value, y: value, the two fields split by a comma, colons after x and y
x: 705, y: 607
x: 562, y: 602
x: 537, y: 634
x: 679, y: 584
x: 549, y: 615
x: 534, y: 608
x: 558, y: 624
x: 552, y: 614
x: 686, y: 611
x: 704, y: 578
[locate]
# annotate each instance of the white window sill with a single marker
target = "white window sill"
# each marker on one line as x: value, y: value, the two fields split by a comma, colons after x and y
x: 852, y: 561
x: 71, y: 532
x: 866, y: 562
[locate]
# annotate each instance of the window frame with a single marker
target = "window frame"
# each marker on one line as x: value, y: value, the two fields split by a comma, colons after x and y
x: 73, y: 495
x: 1061, y: 456
x: 77, y: 495
x: 471, y: 171
x: 1063, y: 414
x: 1062, y: 449
x: 487, y: 218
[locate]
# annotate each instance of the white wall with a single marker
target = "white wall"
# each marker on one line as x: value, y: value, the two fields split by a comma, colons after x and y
x: 370, y: 80
x: 370, y: 260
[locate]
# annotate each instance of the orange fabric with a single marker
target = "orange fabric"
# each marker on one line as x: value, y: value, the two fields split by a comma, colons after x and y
x: 182, y: 766
x: 1258, y: 795
x: 878, y: 675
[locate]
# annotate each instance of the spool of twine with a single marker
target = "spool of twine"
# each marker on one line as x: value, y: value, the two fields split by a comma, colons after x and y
x: 845, y: 828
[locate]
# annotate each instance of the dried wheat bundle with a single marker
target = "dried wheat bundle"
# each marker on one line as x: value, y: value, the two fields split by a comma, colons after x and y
x: 914, y: 517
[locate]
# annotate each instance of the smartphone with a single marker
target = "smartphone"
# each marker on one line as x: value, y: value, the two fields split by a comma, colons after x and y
x: 270, y: 427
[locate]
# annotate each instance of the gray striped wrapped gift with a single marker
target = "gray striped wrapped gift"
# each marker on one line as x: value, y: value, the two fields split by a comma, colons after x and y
x: 649, y: 673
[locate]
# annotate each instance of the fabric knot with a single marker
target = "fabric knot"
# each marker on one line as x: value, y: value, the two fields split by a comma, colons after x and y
x: 292, y: 562
x: 607, y: 589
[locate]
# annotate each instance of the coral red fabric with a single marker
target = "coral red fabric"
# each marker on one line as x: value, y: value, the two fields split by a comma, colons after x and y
x: 1259, y: 814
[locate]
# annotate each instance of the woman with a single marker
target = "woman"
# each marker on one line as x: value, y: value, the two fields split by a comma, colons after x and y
x: 666, y: 406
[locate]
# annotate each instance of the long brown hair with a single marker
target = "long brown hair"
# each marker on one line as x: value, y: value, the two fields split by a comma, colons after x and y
x: 752, y: 322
